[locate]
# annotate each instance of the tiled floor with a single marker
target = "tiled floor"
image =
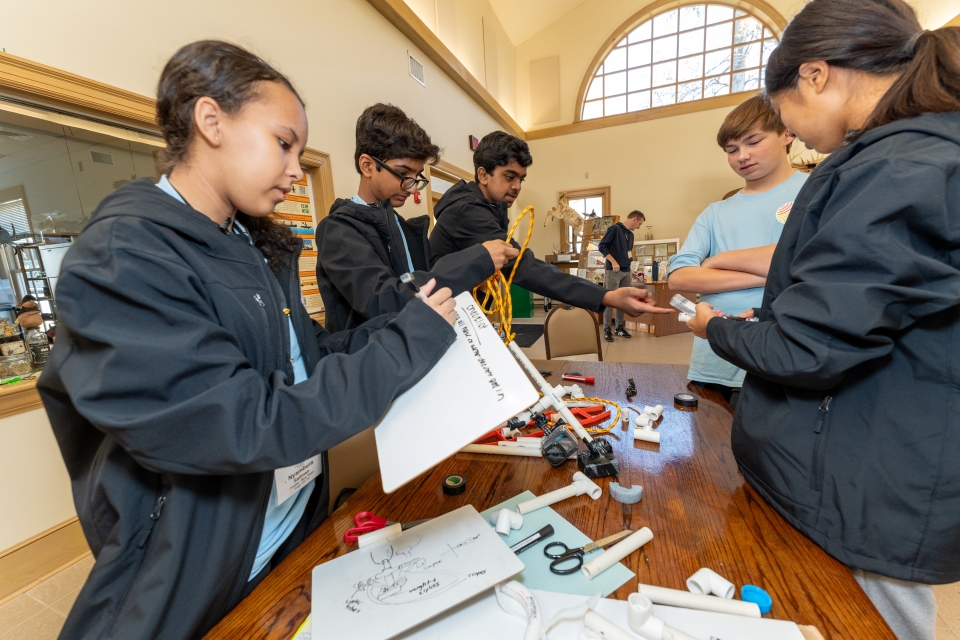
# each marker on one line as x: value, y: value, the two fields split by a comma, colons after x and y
x: 39, y: 613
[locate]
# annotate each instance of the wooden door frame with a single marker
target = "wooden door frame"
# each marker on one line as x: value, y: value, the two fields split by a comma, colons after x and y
x: 447, y: 171
x: 576, y: 194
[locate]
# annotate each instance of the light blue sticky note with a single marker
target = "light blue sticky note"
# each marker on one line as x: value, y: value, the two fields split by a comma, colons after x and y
x: 537, y: 574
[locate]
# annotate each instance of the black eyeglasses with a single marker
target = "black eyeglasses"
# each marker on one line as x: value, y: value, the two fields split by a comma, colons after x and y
x: 407, y: 184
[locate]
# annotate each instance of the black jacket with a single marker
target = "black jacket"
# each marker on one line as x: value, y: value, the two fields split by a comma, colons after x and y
x: 360, y: 260
x: 170, y: 394
x: 464, y: 218
x: 849, y: 419
x: 617, y: 242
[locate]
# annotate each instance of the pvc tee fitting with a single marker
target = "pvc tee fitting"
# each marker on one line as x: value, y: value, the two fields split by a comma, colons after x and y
x: 505, y: 520
x: 708, y: 582
x: 581, y: 485
x: 644, y: 430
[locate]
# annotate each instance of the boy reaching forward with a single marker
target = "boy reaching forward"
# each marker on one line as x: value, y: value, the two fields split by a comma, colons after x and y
x: 727, y: 254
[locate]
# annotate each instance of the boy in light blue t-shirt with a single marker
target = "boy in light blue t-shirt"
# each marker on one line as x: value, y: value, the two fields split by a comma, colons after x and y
x: 727, y: 254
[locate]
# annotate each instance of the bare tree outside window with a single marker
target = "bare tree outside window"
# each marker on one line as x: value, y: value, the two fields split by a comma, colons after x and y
x: 686, y: 54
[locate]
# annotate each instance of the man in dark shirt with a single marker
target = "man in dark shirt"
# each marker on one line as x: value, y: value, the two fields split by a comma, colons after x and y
x: 470, y: 213
x: 616, y: 246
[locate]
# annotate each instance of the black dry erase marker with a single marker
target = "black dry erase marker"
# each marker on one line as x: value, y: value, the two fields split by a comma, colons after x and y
x: 539, y: 536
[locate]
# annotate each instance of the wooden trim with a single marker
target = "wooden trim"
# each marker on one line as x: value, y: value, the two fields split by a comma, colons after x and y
x: 447, y: 171
x: 38, y: 83
x: 566, y: 196
x: 953, y: 23
x: 409, y: 24
x: 759, y: 8
x: 321, y: 173
x: 29, y: 563
x: 655, y: 113
x: 19, y: 397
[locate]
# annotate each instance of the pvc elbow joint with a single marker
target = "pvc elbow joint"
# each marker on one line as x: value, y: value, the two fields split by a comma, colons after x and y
x: 505, y: 520
x: 654, y: 412
x: 641, y: 621
x: 708, y: 582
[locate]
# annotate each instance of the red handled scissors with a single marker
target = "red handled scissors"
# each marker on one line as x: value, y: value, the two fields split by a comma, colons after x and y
x: 367, y: 522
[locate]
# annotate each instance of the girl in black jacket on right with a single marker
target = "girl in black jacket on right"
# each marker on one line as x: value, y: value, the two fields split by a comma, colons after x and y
x: 849, y: 419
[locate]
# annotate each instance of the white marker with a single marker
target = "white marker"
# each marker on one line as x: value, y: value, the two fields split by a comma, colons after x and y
x: 406, y: 278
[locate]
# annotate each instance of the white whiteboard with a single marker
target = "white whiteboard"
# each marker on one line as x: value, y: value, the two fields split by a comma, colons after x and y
x: 476, y: 386
x: 380, y: 591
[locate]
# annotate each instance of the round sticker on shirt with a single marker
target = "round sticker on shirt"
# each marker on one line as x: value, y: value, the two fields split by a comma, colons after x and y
x: 784, y: 212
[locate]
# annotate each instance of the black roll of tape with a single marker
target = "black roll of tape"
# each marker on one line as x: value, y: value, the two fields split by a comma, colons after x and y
x: 454, y: 485
x: 685, y: 400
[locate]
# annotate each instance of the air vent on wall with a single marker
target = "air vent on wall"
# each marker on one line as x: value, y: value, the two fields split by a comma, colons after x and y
x: 416, y: 69
x: 98, y: 157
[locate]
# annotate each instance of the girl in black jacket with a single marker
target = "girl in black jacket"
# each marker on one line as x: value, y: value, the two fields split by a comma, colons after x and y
x: 848, y: 422
x: 189, y: 388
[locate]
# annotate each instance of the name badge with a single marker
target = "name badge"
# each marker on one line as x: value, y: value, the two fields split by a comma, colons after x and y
x: 291, y: 479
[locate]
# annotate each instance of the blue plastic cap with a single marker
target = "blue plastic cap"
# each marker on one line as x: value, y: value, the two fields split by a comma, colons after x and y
x: 750, y: 593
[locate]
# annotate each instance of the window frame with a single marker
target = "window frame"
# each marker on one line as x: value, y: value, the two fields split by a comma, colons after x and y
x: 758, y: 9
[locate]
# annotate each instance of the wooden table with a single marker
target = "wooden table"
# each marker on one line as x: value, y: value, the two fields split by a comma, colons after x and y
x: 701, y: 511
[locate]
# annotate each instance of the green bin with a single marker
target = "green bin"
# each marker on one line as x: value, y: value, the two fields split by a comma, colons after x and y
x: 522, y: 302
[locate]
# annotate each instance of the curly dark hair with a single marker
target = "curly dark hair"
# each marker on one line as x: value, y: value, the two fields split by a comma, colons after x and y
x: 385, y: 132
x: 497, y: 149
x: 228, y: 74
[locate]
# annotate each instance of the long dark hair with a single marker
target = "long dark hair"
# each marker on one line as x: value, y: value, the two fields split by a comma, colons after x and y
x: 229, y: 75
x: 879, y: 37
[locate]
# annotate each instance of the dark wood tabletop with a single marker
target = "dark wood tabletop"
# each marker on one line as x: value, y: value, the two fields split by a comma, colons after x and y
x: 701, y: 511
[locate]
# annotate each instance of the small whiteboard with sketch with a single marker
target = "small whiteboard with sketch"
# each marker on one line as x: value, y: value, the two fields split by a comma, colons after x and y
x: 476, y: 386
x: 381, y: 591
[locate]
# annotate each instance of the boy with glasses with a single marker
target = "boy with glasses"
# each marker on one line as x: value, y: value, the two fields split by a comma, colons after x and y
x: 364, y: 246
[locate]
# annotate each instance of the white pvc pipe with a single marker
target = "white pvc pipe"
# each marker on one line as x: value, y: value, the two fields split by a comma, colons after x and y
x: 654, y: 412
x: 603, y: 627
x: 677, y: 598
x: 708, y: 582
x: 643, y: 421
x: 641, y: 620
x: 531, y: 607
x: 647, y: 435
x: 581, y: 485
x: 616, y: 553
x: 505, y: 520
x: 378, y: 535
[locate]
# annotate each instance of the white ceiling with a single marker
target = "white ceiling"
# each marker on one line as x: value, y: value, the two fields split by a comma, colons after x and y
x: 525, y: 18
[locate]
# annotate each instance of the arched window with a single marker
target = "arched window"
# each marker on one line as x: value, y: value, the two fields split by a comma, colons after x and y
x: 684, y: 54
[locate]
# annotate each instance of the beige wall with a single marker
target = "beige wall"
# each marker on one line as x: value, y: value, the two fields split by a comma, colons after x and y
x: 472, y: 31
x: 670, y: 169
x: 342, y: 55
x: 34, y: 485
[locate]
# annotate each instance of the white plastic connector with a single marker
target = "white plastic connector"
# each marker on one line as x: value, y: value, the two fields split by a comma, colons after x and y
x: 641, y: 621
x: 647, y: 435
x: 708, y: 582
x: 654, y: 412
x: 505, y: 520
x: 643, y: 421
x: 581, y: 485
x: 684, y: 317
x: 574, y: 391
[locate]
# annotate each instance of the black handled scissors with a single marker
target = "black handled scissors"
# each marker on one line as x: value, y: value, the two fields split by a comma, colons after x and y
x: 570, y: 560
